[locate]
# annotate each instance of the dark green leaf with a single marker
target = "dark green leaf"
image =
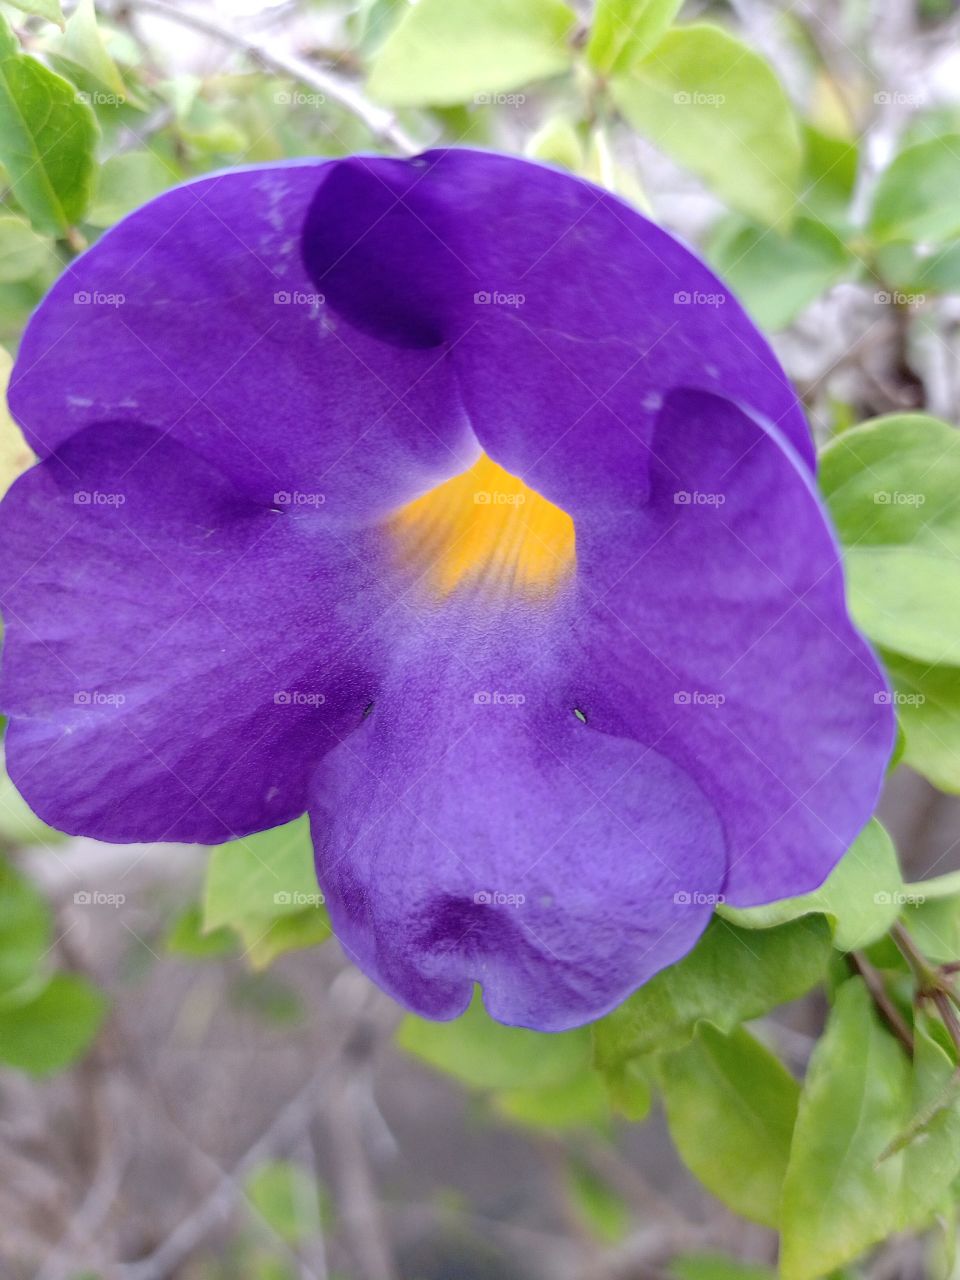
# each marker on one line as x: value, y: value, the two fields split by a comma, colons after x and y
x: 731, y: 976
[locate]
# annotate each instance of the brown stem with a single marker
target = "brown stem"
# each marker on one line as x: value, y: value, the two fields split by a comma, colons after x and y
x: 889, y: 1011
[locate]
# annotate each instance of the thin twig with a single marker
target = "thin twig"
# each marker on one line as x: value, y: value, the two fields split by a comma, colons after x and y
x: 381, y: 122
x: 891, y: 1014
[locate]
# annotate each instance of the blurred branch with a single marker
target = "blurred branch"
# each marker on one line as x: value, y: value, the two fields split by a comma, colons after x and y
x: 381, y: 122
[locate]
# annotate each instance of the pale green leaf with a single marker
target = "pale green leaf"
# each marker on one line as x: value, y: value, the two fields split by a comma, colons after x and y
x: 891, y: 486
x: 731, y: 1107
x: 47, y: 139
x: 261, y: 876
x: 580, y: 1102
x: 839, y: 1198
x: 862, y: 896
x: 444, y: 52
x: 48, y: 9
x: 601, y: 1208
x: 624, y: 31
x: 125, y: 182
x: 714, y: 105
x: 81, y: 50
x: 928, y: 704
x: 488, y: 1055
x: 22, y: 252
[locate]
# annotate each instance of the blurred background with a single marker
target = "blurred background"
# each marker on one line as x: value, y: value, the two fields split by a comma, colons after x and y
x: 194, y: 1083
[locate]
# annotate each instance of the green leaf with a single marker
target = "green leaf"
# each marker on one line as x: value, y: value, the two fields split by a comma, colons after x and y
x: 731, y: 1107
x: 935, y: 924
x: 48, y: 1033
x: 919, y: 270
x: 915, y: 198
x: 715, y: 106
x: 928, y: 704
x: 288, y: 1199
x: 187, y: 938
x: 22, y: 252
x: 829, y: 174
x: 488, y: 1055
x: 861, y: 896
x: 81, y: 53
x: 598, y: 1204
x: 125, y: 182
x: 931, y: 1160
x: 837, y: 1199
x: 265, y: 940
x: 626, y: 30
x: 581, y: 1102
x: 776, y: 276
x: 558, y: 142
x: 731, y: 976
x: 19, y: 825
x: 47, y: 139
x: 443, y: 52
x: 261, y: 876
x: 25, y: 934
x: 48, y: 9
x: 706, y: 1266
x: 891, y: 487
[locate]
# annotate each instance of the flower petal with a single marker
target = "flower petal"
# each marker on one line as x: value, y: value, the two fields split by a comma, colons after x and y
x: 176, y: 658
x: 716, y: 619
x: 463, y: 840
x: 569, y: 316
x: 197, y: 316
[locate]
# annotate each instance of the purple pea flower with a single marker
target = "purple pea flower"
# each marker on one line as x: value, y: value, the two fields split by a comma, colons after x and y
x: 455, y: 503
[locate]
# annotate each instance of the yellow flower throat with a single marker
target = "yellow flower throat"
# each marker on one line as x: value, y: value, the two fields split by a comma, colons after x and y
x: 486, y: 528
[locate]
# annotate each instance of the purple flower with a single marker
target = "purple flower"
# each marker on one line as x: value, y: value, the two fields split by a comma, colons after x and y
x: 455, y: 503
